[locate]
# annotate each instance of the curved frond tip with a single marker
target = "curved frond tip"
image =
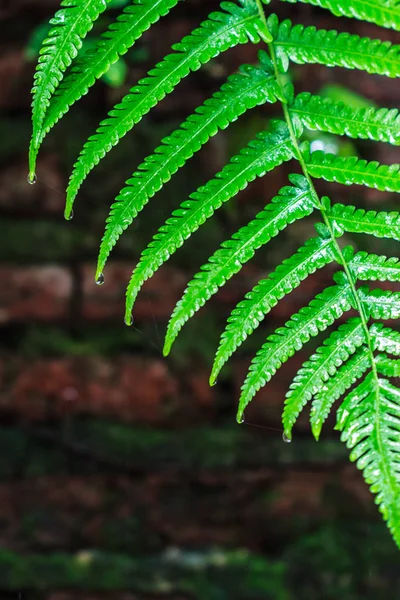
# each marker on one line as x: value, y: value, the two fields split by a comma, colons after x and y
x: 71, y: 25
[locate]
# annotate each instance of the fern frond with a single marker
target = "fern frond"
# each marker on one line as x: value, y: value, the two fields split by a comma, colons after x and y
x: 261, y: 155
x: 223, y: 30
x: 323, y: 114
x: 71, y: 25
x: 371, y: 267
x: 322, y: 365
x: 336, y: 386
x: 352, y: 359
x: 370, y: 426
x: 310, y: 45
x: 381, y: 304
x: 251, y: 87
x: 385, y: 339
x: 357, y: 220
x: 350, y: 170
x: 135, y: 19
x: 281, y: 345
x: 385, y: 13
x: 229, y: 259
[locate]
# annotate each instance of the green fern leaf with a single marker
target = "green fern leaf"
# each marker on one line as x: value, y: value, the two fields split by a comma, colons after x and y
x: 71, y: 25
x: 336, y: 386
x: 322, y: 365
x: 360, y: 391
x: 370, y: 267
x: 387, y: 366
x: 310, y: 45
x: 370, y: 425
x: 251, y: 87
x: 385, y: 339
x: 281, y: 345
x: 357, y: 220
x: 385, y: 13
x: 116, y: 41
x: 262, y: 154
x: 351, y: 170
x: 380, y: 304
x: 223, y: 30
x: 323, y: 114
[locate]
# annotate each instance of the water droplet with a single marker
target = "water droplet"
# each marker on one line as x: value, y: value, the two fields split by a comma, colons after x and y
x: 71, y: 216
x: 286, y: 439
x: 128, y: 320
x: 100, y: 279
x: 32, y: 180
x: 241, y: 420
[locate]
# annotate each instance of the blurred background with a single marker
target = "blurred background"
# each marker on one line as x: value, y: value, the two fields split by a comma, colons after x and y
x: 122, y: 474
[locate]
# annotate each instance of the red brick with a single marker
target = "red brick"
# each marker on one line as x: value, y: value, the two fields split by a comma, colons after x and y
x: 128, y: 388
x: 34, y: 293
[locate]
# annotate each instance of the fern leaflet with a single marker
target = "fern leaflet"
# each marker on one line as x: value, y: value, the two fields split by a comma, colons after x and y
x: 310, y: 45
x: 71, y: 24
x: 370, y: 267
x: 350, y: 170
x: 385, y: 339
x: 385, y: 13
x: 324, y: 114
x: 357, y: 220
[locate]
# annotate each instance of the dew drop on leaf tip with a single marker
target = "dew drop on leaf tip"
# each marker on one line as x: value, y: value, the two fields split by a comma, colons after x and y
x: 100, y: 279
x: 128, y: 320
x: 32, y: 179
x: 286, y: 439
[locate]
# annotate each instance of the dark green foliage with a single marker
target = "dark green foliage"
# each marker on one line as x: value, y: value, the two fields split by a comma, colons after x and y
x: 353, y: 359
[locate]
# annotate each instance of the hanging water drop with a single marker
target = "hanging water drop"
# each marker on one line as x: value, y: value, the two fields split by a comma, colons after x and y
x: 128, y: 320
x: 70, y: 216
x: 32, y: 179
x: 100, y: 279
x: 286, y: 439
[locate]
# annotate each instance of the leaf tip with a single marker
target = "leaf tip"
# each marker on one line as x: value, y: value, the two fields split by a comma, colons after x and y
x: 240, y: 417
x: 128, y: 319
x: 167, y: 347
